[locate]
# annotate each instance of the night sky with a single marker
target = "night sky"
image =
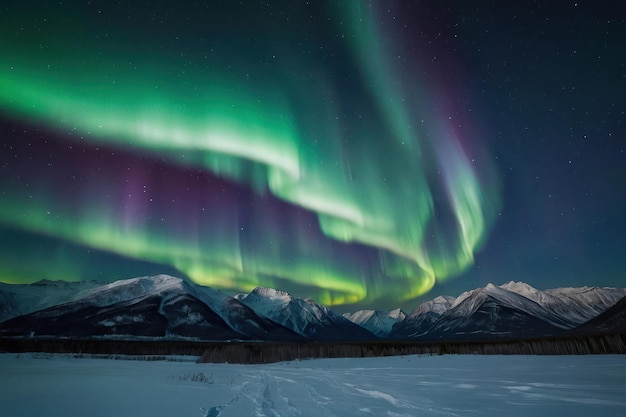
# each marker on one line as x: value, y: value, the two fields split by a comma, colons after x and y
x: 363, y: 154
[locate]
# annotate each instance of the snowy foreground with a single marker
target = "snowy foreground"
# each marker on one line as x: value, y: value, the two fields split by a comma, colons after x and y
x: 451, y: 385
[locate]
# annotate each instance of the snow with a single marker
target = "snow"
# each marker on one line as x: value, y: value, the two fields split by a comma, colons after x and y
x: 575, y: 305
x: 18, y: 299
x: 267, y: 302
x: 438, y: 305
x: 505, y: 297
x: 137, y: 289
x: 379, y: 323
x: 449, y: 385
x: 134, y: 288
x: 303, y: 316
x: 397, y: 314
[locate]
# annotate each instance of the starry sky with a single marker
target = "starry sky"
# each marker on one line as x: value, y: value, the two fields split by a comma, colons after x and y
x: 365, y: 154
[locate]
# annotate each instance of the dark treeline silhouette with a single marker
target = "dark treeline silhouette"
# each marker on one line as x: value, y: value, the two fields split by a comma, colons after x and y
x: 102, y: 347
x: 267, y: 352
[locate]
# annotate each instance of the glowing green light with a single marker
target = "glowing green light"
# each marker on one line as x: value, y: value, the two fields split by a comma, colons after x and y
x: 370, y: 181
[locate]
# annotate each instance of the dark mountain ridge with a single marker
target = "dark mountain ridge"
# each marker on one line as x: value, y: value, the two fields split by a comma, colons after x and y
x: 164, y: 307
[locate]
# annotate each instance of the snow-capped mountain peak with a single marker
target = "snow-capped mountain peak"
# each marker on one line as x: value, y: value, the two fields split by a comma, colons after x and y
x: 397, y: 314
x: 303, y: 316
x: 523, y: 289
x: 437, y: 305
x: 265, y: 301
x: 128, y: 289
x: 379, y: 323
x: 511, y: 308
x: 154, y: 306
x: 269, y: 293
x: 506, y: 298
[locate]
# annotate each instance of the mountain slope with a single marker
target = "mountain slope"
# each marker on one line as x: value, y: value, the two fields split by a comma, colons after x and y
x: 305, y: 317
x: 380, y: 323
x: 151, y: 316
x: 166, y: 307
x: 573, y: 305
x: 487, y: 317
x: 613, y: 320
x: 20, y: 299
x: 156, y: 306
x: 420, y: 320
x: 510, y: 310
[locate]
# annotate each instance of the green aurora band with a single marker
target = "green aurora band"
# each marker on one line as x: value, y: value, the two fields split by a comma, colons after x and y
x: 379, y: 164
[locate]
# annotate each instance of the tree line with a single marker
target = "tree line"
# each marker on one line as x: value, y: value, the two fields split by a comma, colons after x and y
x: 268, y: 352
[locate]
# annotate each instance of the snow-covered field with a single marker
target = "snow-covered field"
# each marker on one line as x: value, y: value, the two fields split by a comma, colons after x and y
x: 451, y: 385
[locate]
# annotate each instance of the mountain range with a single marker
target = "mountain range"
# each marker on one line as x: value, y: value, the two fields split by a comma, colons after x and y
x: 164, y: 307
x: 514, y: 309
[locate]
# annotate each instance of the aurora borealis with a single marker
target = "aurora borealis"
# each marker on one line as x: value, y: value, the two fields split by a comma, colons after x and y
x: 336, y: 151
